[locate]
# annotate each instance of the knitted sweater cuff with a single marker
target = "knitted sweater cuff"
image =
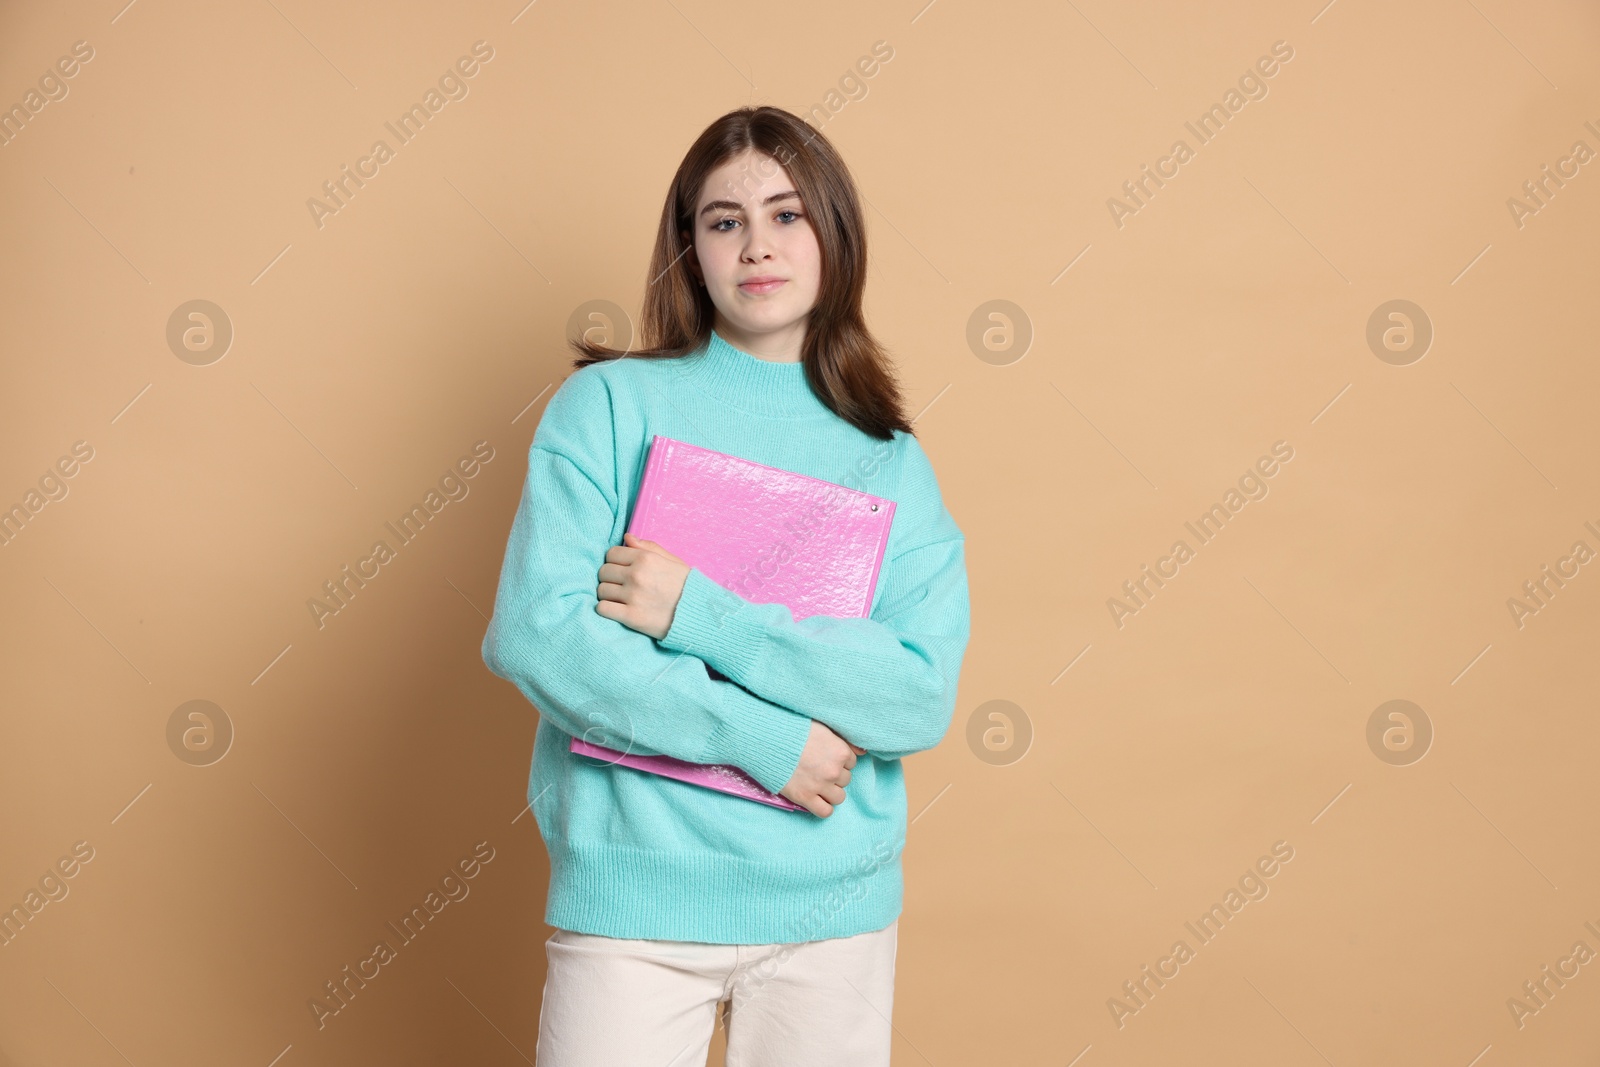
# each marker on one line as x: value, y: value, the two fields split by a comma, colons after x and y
x: 762, y: 739
x: 710, y: 622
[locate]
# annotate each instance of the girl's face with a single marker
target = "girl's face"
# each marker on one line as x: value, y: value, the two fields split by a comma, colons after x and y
x: 755, y: 250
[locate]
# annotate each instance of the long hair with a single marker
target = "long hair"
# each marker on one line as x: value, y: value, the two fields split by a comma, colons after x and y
x: 848, y: 371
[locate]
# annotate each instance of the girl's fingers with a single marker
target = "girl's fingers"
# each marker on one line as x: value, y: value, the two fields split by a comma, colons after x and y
x: 647, y: 545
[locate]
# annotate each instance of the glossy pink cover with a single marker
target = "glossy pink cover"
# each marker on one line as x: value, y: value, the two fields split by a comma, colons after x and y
x: 722, y: 777
x: 769, y: 535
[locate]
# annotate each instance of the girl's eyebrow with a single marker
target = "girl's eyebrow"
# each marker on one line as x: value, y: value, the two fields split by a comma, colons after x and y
x: 729, y: 205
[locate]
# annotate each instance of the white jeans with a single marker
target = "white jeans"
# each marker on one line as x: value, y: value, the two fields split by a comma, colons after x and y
x: 620, y: 1002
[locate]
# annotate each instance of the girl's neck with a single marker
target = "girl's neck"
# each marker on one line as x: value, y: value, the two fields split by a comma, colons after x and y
x: 777, y: 346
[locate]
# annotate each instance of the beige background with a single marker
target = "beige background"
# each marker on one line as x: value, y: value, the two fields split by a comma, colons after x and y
x: 1148, y: 766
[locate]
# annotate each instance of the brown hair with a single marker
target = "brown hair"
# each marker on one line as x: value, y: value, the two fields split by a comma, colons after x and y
x: 846, y: 367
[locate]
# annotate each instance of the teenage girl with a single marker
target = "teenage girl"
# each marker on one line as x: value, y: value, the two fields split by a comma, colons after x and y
x: 670, y: 900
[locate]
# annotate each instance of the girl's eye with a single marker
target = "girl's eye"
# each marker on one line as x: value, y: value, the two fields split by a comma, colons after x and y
x: 717, y: 227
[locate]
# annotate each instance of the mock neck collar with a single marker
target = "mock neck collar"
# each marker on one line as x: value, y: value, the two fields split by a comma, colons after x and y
x: 750, y: 383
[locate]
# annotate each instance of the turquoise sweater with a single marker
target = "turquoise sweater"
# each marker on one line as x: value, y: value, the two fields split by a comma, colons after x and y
x: 634, y: 854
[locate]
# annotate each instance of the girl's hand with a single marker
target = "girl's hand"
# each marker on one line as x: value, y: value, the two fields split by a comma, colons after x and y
x: 640, y: 583
x: 824, y: 770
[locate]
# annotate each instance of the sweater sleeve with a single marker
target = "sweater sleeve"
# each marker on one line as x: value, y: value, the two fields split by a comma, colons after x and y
x: 589, y: 675
x: 887, y: 682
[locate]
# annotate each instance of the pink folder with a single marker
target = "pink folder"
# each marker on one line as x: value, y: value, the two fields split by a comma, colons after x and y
x: 770, y: 535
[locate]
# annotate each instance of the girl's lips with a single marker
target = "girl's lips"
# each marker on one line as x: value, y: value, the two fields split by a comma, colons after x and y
x: 762, y: 287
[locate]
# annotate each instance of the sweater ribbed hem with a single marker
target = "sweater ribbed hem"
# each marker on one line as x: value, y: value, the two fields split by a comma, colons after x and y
x: 618, y: 891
